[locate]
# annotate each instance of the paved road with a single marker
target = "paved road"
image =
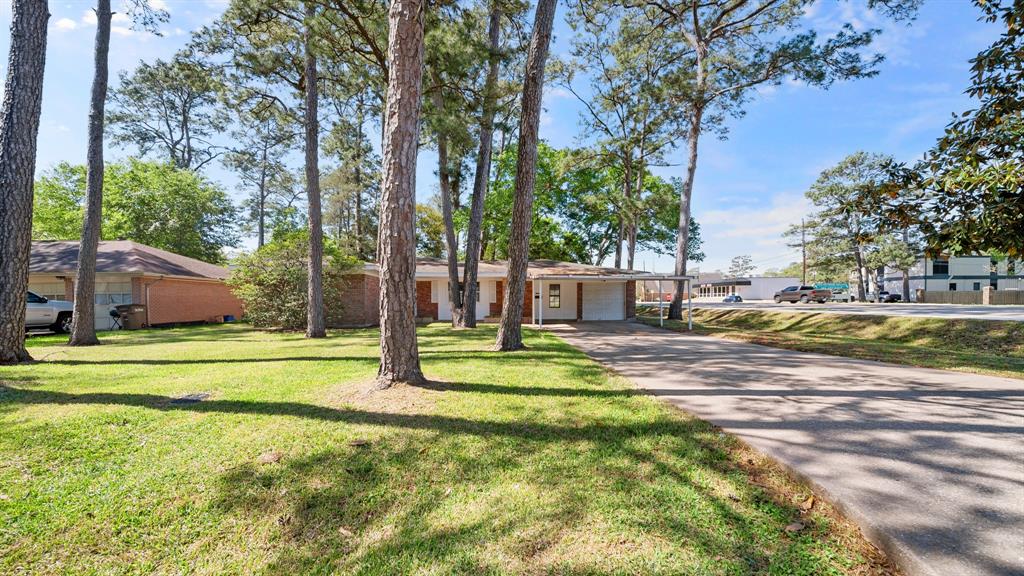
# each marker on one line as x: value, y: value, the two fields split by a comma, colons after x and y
x: 922, y: 310
x: 929, y: 463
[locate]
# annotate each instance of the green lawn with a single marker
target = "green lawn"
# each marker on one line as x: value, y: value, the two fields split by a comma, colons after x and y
x: 977, y: 346
x: 534, y: 462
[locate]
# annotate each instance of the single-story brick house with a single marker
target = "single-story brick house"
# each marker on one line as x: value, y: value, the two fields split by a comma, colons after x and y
x: 555, y: 292
x: 174, y: 288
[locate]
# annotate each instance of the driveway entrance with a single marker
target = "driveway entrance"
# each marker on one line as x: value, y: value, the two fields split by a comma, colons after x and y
x: 929, y: 463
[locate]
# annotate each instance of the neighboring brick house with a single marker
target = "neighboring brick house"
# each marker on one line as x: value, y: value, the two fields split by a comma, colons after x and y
x: 563, y: 291
x: 175, y: 288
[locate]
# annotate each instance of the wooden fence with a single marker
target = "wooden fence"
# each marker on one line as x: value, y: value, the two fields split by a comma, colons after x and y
x: 1007, y: 297
x: 995, y: 297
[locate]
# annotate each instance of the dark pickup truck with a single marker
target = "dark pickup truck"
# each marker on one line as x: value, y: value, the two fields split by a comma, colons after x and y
x: 803, y: 294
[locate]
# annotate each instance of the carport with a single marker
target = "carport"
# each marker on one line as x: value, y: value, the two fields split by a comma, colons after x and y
x: 596, y: 295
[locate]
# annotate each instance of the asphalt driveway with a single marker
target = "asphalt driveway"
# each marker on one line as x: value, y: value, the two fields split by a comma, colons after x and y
x: 929, y: 463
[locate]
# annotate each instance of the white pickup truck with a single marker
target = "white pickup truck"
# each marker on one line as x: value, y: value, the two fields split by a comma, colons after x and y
x: 42, y: 312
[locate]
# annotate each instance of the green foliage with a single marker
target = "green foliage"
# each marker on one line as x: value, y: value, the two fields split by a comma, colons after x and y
x: 429, y: 231
x: 578, y: 205
x: 741, y: 266
x: 272, y: 282
x: 169, y: 109
x: 965, y: 195
x: 148, y: 202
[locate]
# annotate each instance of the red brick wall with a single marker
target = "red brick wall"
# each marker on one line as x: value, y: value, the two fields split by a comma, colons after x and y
x: 500, y: 300
x: 631, y: 299
x: 359, y: 301
x: 579, y: 301
x: 69, y: 289
x: 424, y: 307
x: 528, y: 302
x: 172, y: 300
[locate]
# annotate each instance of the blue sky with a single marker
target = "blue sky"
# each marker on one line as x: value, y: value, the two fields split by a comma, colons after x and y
x: 749, y: 188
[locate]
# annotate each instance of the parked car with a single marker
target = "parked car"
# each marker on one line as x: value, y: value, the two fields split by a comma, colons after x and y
x: 42, y: 312
x: 884, y: 296
x: 842, y: 296
x: 802, y: 294
x: 733, y: 298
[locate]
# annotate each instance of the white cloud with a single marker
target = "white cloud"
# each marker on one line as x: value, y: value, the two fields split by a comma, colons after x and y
x: 89, y: 18
x: 751, y: 229
x: 122, y: 31
x: 158, y: 5
x: 66, y: 24
x: 120, y: 17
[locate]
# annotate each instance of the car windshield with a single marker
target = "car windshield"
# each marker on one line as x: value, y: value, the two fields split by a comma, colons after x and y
x: 34, y: 298
x: 790, y: 288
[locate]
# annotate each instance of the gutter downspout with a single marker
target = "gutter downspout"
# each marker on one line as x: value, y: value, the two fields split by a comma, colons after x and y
x: 146, y: 286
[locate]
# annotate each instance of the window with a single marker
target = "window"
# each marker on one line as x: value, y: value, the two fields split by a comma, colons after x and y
x: 1011, y: 268
x: 34, y: 299
x: 554, y: 296
x: 977, y: 286
x: 993, y: 266
x: 952, y: 286
x: 941, y: 267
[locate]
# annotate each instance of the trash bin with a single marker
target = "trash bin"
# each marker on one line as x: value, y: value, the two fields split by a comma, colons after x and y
x: 133, y: 316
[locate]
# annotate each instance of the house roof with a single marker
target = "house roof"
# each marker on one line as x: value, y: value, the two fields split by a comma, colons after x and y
x: 120, y: 257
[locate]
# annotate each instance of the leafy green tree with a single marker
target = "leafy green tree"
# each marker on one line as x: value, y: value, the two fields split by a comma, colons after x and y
x: 148, y: 202
x: 741, y: 267
x: 734, y: 46
x: 271, y: 282
x: 896, y: 252
x: 841, y: 229
x: 430, y: 231
x: 169, y: 109
x: 965, y: 195
x: 627, y: 105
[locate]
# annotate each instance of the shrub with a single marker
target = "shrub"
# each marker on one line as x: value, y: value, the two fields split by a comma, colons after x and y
x: 271, y: 282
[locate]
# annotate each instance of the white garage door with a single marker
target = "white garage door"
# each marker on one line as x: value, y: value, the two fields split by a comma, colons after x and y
x: 604, y: 301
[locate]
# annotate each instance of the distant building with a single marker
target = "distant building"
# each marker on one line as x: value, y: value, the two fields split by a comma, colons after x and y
x: 748, y: 288
x: 958, y: 273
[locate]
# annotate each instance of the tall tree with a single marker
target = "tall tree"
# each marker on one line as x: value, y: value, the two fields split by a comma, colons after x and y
x: 965, y: 194
x: 263, y: 140
x: 83, y: 327
x: 633, y: 69
x: 170, y: 109
x: 83, y: 324
x: 19, y: 126
x: 734, y: 46
x: 510, y: 331
x: 483, y: 164
x: 315, y: 326
x: 396, y: 245
x: 741, y: 266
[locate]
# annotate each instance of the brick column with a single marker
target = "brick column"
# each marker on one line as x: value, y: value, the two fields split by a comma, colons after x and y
x: 579, y: 301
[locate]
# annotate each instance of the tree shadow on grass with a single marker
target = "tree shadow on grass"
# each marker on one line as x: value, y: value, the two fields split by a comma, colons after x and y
x: 535, y: 499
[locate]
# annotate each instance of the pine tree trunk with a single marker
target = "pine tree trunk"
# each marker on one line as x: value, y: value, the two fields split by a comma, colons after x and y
x: 396, y: 244
x: 450, y: 239
x: 474, y: 241
x: 315, y: 308
x: 510, y: 333
x: 83, y: 327
x: 675, y: 311
x: 19, y: 126
x: 262, y: 207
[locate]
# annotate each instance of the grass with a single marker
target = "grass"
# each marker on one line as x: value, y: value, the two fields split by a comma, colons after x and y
x: 976, y: 346
x: 535, y: 462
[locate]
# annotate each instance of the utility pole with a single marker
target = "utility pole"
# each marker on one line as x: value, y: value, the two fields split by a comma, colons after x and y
x: 803, y: 250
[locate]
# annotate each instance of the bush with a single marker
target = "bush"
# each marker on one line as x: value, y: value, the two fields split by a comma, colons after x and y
x: 271, y: 282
